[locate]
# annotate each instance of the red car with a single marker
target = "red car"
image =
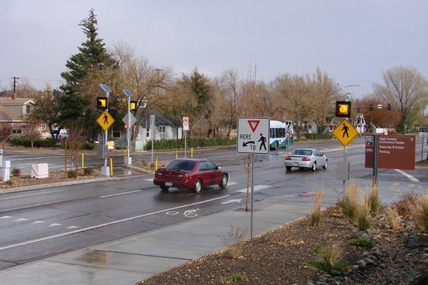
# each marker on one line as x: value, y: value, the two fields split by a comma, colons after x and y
x: 187, y: 173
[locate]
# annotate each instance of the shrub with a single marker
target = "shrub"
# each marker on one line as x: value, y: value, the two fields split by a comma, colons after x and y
x: 88, y: 171
x: 360, y: 242
x: 234, y: 277
x: 16, y: 172
x: 318, y: 136
x: 72, y: 174
x: 26, y: 142
x: 328, y: 260
x: 9, y: 182
x: 316, y: 212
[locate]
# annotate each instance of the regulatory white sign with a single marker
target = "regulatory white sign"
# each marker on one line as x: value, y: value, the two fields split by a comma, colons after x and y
x: 253, y: 135
x: 185, y: 123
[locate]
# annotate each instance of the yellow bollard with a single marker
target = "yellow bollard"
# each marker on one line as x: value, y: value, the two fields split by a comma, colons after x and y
x: 156, y: 162
x: 83, y: 160
x: 191, y: 152
x: 176, y: 153
x: 111, y: 167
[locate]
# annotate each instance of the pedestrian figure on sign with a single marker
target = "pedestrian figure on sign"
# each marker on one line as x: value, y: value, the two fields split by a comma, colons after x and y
x: 345, y: 130
x: 263, y: 140
x: 105, y: 119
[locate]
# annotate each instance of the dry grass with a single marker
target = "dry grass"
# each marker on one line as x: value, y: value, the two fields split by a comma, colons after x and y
x: 349, y: 202
x: 363, y: 219
x: 374, y: 199
x: 316, y: 210
x: 419, y: 213
x: 234, y: 241
x: 393, y: 218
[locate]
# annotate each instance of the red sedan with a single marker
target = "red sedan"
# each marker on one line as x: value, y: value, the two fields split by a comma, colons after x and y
x: 186, y: 173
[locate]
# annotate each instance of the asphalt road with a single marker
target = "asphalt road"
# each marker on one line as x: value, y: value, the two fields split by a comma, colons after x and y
x: 42, y: 223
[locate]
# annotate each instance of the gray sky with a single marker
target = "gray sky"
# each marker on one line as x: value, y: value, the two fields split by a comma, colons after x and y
x: 352, y: 40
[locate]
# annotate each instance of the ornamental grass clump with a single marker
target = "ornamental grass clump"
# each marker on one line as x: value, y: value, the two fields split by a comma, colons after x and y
x: 374, y: 199
x: 316, y: 208
x: 363, y: 219
x: 349, y: 202
x: 419, y: 213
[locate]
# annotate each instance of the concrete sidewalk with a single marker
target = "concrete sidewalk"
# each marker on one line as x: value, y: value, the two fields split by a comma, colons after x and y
x: 132, y: 259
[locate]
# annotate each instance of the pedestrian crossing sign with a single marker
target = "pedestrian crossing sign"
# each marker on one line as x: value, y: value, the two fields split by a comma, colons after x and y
x: 345, y: 132
x: 105, y: 120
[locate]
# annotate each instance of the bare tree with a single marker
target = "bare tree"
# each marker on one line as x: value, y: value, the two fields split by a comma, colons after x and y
x: 73, y: 145
x: 231, y: 91
x: 406, y: 89
x: 31, y: 129
x: 295, y: 93
x: 324, y: 93
x: 5, y: 132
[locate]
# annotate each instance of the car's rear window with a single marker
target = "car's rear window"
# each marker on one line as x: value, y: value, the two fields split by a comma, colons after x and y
x: 180, y: 165
x: 302, y: 152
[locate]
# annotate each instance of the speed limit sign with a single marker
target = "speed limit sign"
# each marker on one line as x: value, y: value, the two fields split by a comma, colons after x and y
x: 185, y: 123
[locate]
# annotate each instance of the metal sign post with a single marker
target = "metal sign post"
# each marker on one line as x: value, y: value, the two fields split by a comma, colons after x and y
x: 152, y: 130
x: 105, y: 170
x: 185, y: 128
x: 128, y: 160
x: 253, y: 138
x: 345, y: 133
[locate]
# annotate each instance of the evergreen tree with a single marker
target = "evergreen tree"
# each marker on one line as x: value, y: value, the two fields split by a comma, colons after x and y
x: 91, y: 60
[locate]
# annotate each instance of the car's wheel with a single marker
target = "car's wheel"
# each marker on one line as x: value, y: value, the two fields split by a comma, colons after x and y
x: 288, y: 168
x: 325, y: 165
x: 224, y: 180
x: 198, y: 186
x: 314, y: 166
x: 164, y: 188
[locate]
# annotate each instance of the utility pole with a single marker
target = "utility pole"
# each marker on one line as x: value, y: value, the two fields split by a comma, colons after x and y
x: 14, y: 83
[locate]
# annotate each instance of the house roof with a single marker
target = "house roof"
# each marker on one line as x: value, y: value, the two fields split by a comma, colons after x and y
x: 8, y: 115
x: 161, y: 120
x: 7, y: 101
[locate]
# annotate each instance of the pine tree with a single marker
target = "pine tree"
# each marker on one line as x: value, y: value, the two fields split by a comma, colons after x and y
x: 91, y: 60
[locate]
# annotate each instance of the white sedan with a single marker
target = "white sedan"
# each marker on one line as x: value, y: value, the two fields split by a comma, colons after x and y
x: 305, y: 158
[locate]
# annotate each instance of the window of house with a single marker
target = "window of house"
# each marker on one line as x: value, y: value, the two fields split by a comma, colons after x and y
x: 161, y: 129
x: 116, y: 133
x: 27, y: 109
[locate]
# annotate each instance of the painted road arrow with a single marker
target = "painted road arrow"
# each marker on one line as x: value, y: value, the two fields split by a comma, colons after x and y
x: 232, y: 201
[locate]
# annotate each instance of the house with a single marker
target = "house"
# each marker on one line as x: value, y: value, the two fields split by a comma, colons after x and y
x: 165, y: 129
x: 13, y: 111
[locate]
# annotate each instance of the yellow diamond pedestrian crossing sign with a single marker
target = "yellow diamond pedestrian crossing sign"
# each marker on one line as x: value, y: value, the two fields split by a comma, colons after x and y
x: 345, y: 132
x: 105, y: 120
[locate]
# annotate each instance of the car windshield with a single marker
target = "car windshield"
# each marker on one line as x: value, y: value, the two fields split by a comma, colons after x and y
x: 180, y: 165
x: 302, y: 152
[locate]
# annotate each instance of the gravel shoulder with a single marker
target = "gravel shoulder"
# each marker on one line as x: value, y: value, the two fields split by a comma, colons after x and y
x: 283, y: 256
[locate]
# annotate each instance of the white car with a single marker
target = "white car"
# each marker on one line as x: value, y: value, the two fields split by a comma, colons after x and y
x: 305, y: 158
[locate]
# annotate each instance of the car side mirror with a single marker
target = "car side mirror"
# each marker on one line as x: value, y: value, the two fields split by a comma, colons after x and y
x: 218, y: 167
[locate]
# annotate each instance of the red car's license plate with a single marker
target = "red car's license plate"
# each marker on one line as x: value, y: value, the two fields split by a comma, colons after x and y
x: 168, y: 183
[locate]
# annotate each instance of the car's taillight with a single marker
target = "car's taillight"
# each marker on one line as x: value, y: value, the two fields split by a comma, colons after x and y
x: 287, y: 157
x: 158, y: 174
x: 183, y: 176
x: 306, y: 159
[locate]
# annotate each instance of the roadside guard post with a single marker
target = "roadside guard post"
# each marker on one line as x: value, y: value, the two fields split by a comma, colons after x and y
x: 253, y: 138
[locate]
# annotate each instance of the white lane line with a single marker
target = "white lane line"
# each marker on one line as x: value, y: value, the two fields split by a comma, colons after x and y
x: 72, y: 227
x: 6, y: 217
x: 256, y: 188
x: 38, y: 222
x: 121, y: 193
x: 54, y: 225
x: 21, y: 219
x: 109, y: 224
x: 411, y: 178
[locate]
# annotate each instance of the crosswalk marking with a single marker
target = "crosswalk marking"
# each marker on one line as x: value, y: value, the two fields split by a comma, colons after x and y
x: 256, y: 188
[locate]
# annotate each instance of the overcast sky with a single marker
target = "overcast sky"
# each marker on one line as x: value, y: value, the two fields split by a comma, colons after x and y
x: 353, y: 41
